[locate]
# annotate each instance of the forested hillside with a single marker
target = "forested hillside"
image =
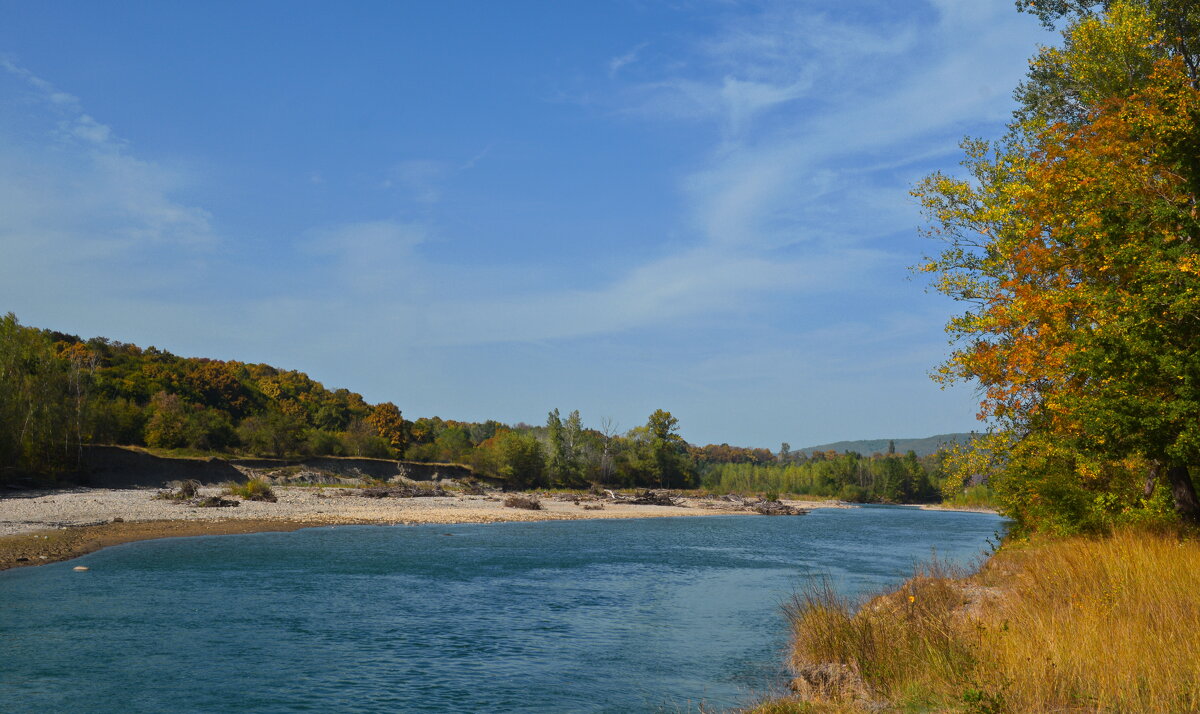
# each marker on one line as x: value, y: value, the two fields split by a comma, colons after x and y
x: 921, y: 447
x: 61, y: 391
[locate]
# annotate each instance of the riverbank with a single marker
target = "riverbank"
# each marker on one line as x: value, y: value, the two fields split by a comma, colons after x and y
x: 39, y: 527
x: 1081, y: 624
x: 960, y: 509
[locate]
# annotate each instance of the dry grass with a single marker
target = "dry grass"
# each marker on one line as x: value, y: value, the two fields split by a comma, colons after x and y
x: 252, y: 490
x: 1078, y: 625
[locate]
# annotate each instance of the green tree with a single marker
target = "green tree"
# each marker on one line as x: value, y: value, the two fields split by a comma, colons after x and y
x: 664, y: 452
x: 564, y: 449
x: 38, y: 424
x: 521, y: 460
x: 275, y: 434
x: 1076, y: 246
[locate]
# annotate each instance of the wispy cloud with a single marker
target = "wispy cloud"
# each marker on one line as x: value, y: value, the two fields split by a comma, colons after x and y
x: 420, y: 179
x: 616, y: 64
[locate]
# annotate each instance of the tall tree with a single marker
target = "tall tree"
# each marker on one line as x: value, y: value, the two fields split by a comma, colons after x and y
x: 667, y: 450
x: 1076, y: 244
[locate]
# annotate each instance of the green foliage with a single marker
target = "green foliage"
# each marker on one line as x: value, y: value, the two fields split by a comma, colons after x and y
x: 275, y: 433
x: 1073, y: 246
x: 848, y: 477
x: 521, y: 459
x: 660, y: 453
x: 41, y: 402
x: 363, y: 439
x: 564, y: 450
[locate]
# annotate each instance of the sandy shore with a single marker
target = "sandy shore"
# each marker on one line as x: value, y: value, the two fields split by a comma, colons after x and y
x: 45, y: 526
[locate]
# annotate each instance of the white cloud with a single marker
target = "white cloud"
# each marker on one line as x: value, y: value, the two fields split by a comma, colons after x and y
x: 616, y: 64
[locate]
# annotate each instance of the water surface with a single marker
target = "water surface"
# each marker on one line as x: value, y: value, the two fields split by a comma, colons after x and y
x: 589, y: 616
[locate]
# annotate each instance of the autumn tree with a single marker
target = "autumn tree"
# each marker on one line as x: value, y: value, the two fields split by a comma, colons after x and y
x: 389, y: 424
x: 1075, y: 243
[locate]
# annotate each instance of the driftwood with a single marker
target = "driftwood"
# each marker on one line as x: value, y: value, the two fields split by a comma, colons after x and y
x: 654, y: 498
x: 775, y: 508
x: 402, y: 492
x: 180, y: 491
x: 517, y: 500
x: 213, y: 502
x: 645, y: 498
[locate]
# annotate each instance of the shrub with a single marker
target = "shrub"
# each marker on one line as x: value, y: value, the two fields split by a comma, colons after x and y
x: 255, y: 489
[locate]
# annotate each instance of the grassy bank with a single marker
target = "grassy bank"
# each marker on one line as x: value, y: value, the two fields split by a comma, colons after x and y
x: 1077, y: 625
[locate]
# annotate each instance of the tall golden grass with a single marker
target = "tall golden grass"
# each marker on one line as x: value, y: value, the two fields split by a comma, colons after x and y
x: 1079, y: 625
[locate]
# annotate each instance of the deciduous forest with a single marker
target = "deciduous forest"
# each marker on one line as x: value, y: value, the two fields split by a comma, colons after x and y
x: 63, y: 392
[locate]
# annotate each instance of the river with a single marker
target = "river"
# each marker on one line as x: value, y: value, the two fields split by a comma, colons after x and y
x: 647, y: 615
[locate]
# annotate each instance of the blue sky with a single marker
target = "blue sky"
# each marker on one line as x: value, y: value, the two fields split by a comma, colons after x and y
x: 491, y: 209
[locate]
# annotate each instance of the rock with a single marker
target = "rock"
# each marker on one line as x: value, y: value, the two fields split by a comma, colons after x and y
x: 80, y: 568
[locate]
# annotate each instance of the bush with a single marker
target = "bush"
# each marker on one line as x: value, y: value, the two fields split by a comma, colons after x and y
x: 253, y: 490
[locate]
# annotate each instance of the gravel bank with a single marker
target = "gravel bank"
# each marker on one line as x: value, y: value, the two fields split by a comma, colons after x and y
x: 43, y: 526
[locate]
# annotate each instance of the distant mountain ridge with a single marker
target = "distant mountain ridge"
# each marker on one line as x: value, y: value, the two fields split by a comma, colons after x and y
x: 922, y: 447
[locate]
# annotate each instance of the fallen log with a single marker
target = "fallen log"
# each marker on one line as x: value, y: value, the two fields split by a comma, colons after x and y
x: 402, y: 492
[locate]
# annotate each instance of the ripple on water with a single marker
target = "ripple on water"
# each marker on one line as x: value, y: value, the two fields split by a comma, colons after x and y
x: 589, y: 616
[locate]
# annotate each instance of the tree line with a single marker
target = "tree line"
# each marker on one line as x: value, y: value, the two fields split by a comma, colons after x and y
x: 61, y: 392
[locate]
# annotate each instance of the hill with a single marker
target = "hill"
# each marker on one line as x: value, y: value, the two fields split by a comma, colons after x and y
x: 923, y: 447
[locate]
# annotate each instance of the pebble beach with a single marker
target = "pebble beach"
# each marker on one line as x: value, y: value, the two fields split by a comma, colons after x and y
x: 45, y: 526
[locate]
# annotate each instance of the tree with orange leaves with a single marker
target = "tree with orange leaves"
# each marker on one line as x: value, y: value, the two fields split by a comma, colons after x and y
x: 1076, y: 242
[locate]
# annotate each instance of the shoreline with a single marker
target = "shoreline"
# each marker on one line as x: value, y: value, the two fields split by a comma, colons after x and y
x: 52, y: 526
x: 960, y: 509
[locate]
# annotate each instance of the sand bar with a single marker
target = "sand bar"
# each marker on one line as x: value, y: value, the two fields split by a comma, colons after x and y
x: 39, y: 527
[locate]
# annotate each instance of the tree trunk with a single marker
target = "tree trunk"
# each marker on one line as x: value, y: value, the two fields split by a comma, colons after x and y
x: 1184, y: 491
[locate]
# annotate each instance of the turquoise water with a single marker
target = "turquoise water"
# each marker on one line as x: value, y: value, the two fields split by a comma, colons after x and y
x: 587, y: 616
